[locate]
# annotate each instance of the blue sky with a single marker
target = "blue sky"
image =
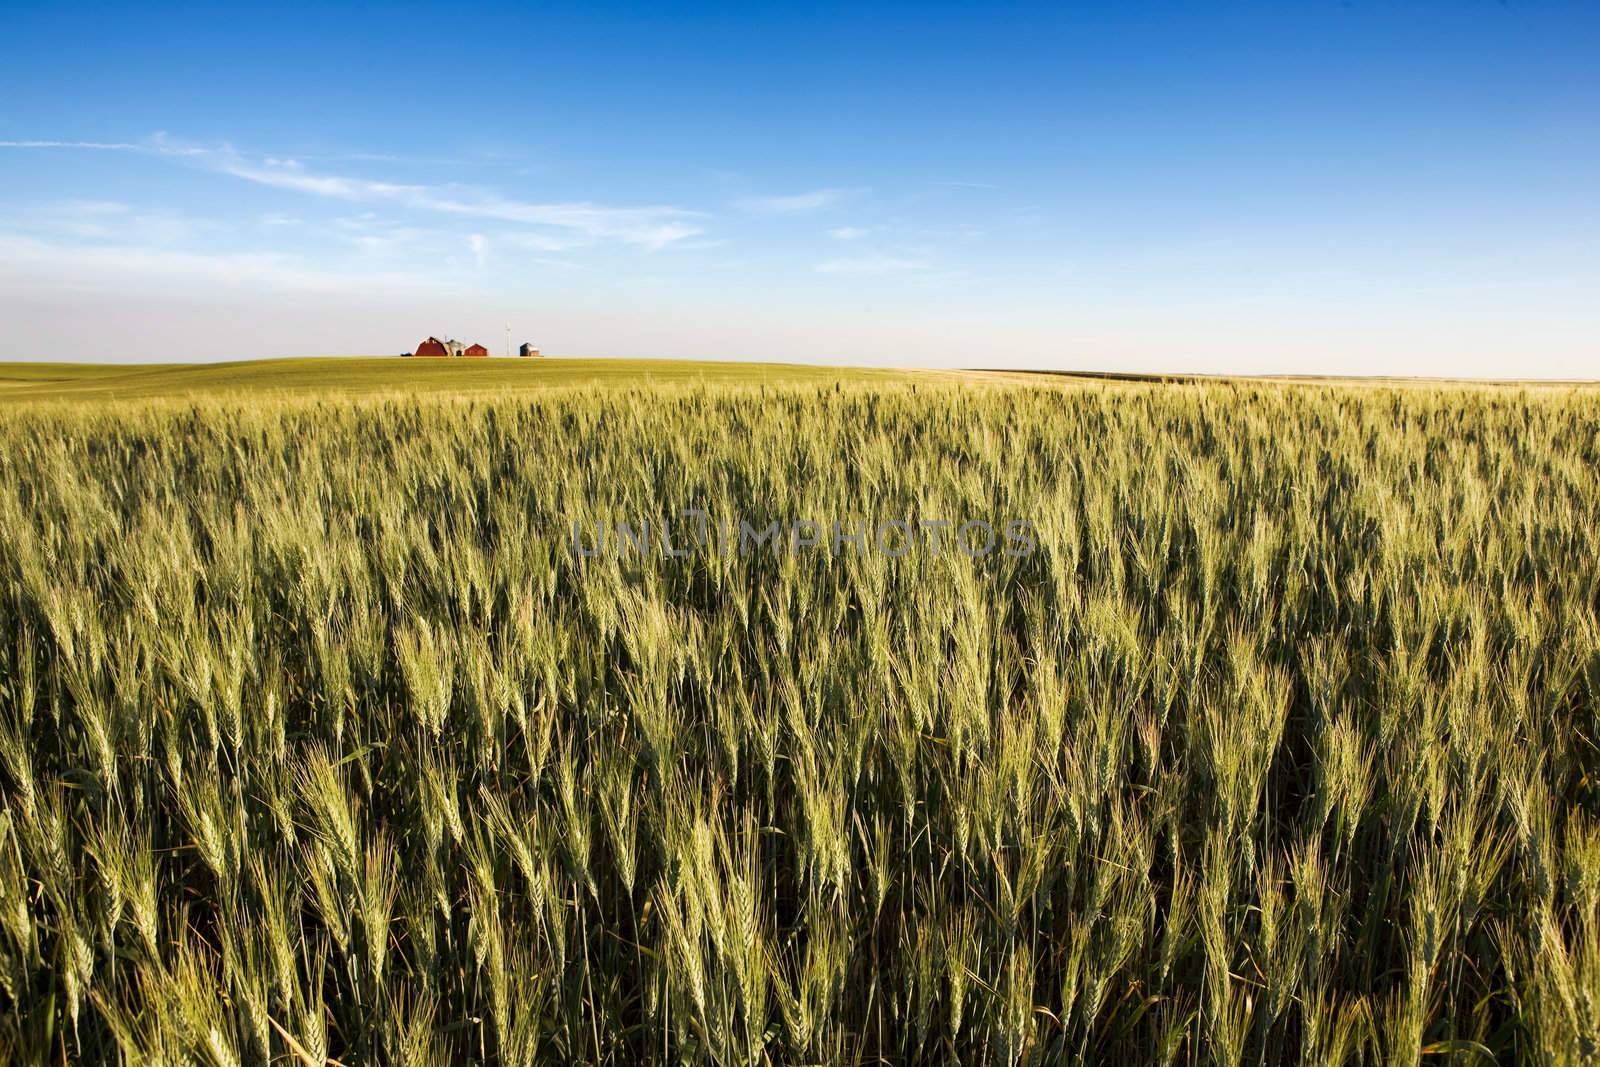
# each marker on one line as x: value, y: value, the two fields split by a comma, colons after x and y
x: 1302, y: 188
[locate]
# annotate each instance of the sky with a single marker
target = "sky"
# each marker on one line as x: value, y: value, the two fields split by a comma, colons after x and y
x: 1300, y: 188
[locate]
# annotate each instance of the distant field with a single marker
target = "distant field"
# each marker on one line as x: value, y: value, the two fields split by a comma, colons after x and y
x: 348, y: 376
x: 66, y: 381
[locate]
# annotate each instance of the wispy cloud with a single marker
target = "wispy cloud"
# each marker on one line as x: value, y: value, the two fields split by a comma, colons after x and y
x: 847, y: 233
x: 648, y: 227
x: 872, y: 264
x: 98, y: 146
x: 651, y: 227
x: 374, y: 235
x: 99, y: 220
x: 794, y: 204
x: 544, y: 242
x: 28, y: 260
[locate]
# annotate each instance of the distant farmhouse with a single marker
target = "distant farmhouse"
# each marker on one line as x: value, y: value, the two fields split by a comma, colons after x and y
x: 433, y: 348
x: 527, y: 351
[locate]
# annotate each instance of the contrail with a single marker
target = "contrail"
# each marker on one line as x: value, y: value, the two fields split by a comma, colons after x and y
x: 108, y: 146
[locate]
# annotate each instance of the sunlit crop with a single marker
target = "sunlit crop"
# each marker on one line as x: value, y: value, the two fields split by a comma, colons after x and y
x: 318, y: 743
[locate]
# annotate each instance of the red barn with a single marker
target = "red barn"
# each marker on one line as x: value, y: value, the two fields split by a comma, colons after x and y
x: 475, y: 350
x: 432, y: 347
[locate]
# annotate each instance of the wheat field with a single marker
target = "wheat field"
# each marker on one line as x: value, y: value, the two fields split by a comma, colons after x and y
x: 319, y: 744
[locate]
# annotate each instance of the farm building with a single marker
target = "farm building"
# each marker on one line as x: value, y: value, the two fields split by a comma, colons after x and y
x: 449, y: 349
x: 527, y: 351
